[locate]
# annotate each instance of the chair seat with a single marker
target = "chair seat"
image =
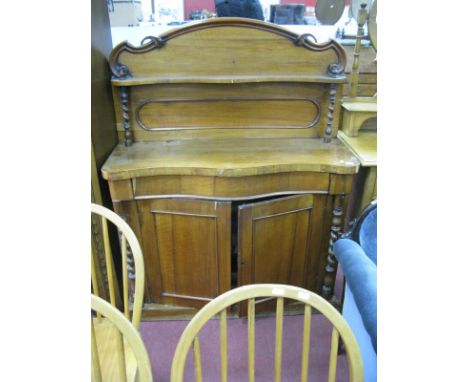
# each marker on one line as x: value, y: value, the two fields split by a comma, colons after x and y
x: 107, y: 336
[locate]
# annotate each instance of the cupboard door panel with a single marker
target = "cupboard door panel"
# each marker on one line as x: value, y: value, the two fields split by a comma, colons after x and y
x: 188, y: 242
x: 279, y: 253
x: 274, y: 241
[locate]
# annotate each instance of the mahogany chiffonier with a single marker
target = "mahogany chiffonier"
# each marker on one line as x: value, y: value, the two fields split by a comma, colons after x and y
x: 228, y: 167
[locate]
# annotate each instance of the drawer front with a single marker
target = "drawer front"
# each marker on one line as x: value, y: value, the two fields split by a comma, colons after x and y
x: 230, y: 188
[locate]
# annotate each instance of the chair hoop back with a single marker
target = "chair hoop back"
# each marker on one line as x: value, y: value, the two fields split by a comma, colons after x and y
x: 354, y: 234
x: 128, y: 236
x: 249, y: 292
x: 129, y: 333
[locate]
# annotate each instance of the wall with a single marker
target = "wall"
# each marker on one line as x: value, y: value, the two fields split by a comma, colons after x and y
x: 198, y: 5
x: 124, y: 13
x: 103, y: 134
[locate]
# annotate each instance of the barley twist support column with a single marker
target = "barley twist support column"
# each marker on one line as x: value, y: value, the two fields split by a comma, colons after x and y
x: 335, y: 230
x: 331, y: 111
x: 130, y: 266
x: 124, y: 99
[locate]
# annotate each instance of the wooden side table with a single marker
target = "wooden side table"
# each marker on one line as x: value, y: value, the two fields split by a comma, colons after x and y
x: 364, y: 147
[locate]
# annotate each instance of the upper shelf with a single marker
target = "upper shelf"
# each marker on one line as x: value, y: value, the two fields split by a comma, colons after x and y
x: 369, y: 105
x: 228, y: 50
x: 227, y: 79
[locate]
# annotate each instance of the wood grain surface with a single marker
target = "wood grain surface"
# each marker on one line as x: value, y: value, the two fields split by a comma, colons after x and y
x: 364, y: 146
x: 187, y: 246
x: 225, y: 48
x: 235, y: 157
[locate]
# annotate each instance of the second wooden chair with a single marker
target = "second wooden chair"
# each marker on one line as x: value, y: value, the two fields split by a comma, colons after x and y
x: 124, y: 348
x: 310, y: 300
x: 137, y: 273
x: 109, y: 347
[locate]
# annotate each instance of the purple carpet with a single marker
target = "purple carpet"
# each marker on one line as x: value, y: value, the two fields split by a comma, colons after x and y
x: 161, y: 338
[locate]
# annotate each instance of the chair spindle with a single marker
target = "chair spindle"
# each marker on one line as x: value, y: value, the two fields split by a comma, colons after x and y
x: 333, y: 356
x: 223, y: 344
x: 279, y: 338
x: 251, y: 338
x: 306, y: 344
x: 250, y: 295
x: 94, y: 282
x: 197, y: 359
x: 108, y: 255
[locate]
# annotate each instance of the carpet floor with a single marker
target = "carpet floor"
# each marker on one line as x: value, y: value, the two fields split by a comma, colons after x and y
x: 161, y: 338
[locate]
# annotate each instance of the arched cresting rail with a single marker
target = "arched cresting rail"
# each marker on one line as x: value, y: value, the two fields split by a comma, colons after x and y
x: 249, y: 293
x: 121, y: 70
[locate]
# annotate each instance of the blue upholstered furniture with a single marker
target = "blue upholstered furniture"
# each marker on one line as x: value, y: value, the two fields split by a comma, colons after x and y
x: 357, y: 254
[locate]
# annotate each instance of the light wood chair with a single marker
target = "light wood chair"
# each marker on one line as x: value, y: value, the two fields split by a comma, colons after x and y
x: 135, y: 263
x: 107, y: 338
x: 123, y: 348
x: 220, y: 305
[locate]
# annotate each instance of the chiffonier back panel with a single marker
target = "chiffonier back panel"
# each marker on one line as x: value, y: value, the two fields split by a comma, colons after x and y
x: 228, y: 77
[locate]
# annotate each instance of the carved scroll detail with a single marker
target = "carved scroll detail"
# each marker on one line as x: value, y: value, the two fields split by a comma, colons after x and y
x: 331, y: 110
x: 122, y: 71
x: 302, y: 38
x: 330, y: 269
x: 153, y: 42
x: 124, y: 98
x: 336, y: 69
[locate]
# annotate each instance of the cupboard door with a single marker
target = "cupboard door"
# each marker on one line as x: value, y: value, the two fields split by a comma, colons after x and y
x: 187, y: 246
x: 275, y: 241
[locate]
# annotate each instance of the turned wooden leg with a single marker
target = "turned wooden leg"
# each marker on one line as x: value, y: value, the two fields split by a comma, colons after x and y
x: 124, y: 100
x: 335, y: 230
x: 331, y: 111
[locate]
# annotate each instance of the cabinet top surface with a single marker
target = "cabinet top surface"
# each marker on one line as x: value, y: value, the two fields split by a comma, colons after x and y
x: 228, y: 157
x: 364, y: 146
x: 370, y: 106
